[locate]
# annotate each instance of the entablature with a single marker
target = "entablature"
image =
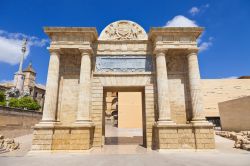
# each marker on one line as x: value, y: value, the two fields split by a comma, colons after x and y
x: 71, y: 37
x: 166, y: 38
x: 129, y: 47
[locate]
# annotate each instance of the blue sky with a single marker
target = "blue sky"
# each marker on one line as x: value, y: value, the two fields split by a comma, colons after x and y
x: 225, y: 42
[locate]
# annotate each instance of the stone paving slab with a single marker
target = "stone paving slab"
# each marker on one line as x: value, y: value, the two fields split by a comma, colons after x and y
x: 126, y: 155
x: 149, y: 159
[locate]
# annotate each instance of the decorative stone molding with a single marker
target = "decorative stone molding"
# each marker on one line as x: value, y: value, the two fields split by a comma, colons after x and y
x: 174, y: 37
x: 86, y: 50
x: 71, y: 37
x: 123, y: 30
x: 133, y: 47
x: 124, y: 63
x: 54, y: 50
x: 125, y: 80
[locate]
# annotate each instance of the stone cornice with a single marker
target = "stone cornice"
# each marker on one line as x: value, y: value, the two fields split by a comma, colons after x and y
x: 170, y: 31
x: 88, y: 33
x: 174, y: 38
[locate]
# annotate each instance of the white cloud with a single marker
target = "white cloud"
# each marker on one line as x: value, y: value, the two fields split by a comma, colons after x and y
x: 205, y: 45
x: 230, y: 77
x: 194, y: 10
x: 181, y: 21
x: 11, y: 44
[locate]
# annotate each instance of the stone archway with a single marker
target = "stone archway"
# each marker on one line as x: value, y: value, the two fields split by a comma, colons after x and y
x: 123, y: 56
x: 144, y: 81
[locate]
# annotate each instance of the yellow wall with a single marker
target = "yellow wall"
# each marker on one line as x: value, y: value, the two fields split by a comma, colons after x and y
x: 235, y: 114
x: 129, y: 110
x: 221, y: 90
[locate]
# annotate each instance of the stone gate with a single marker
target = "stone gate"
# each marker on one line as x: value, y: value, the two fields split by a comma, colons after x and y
x: 163, y: 63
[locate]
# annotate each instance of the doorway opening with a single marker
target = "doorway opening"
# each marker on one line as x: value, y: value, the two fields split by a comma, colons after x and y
x: 124, y: 116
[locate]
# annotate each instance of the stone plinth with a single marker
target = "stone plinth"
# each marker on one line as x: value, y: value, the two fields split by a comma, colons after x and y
x: 184, y: 136
x: 63, y: 137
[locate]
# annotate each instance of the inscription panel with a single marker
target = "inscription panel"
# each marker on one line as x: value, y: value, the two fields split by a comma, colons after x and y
x: 124, y: 63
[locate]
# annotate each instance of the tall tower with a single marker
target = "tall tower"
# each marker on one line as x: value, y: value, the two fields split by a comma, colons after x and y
x: 29, y: 80
x: 19, y: 76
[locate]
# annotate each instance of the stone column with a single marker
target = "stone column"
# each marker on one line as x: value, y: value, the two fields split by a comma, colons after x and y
x: 162, y: 89
x: 195, y: 87
x: 50, y: 103
x: 84, y: 98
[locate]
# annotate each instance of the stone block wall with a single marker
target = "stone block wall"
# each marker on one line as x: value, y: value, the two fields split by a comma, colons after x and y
x: 62, y: 138
x: 221, y: 90
x: 68, y: 88
x: 179, y: 98
x: 184, y: 136
x: 97, y: 111
x: 17, y: 122
x: 235, y: 114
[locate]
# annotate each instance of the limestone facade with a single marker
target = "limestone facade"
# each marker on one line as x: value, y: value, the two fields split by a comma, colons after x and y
x: 162, y: 64
x: 235, y: 114
x: 216, y: 91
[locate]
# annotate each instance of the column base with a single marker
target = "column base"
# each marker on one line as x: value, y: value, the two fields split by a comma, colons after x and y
x: 55, y: 136
x: 47, y: 124
x: 183, y: 136
x: 165, y: 122
x: 200, y: 122
x: 83, y: 123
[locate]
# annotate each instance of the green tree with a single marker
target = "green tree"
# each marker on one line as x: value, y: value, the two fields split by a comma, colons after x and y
x: 28, y: 103
x: 24, y: 103
x: 14, y: 102
x: 2, y: 96
x: 2, y: 99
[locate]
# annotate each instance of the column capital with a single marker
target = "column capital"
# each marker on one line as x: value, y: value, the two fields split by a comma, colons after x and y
x: 84, y: 51
x: 160, y: 51
x: 192, y: 51
x: 54, y: 50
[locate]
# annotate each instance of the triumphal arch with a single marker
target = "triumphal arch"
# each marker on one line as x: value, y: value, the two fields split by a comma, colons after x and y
x: 162, y: 65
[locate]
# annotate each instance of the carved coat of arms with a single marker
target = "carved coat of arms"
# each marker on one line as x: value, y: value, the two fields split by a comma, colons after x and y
x: 123, y: 30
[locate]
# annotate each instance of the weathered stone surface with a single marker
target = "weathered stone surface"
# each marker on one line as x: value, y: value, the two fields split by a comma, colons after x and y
x: 220, y: 90
x: 184, y: 137
x: 7, y: 144
x: 242, y: 139
x: 76, y: 86
x: 66, y: 138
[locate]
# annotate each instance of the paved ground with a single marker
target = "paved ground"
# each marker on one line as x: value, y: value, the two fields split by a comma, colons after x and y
x: 115, y: 136
x: 111, y: 131
x: 134, y: 155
